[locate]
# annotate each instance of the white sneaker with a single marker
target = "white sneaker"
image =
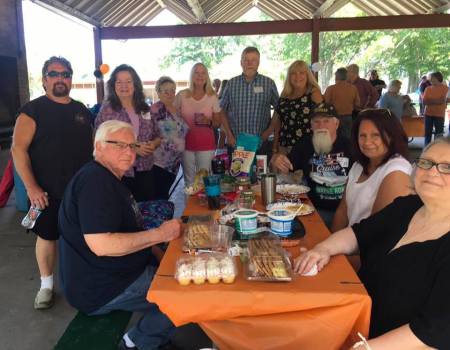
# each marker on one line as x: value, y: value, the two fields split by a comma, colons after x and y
x: 44, y: 299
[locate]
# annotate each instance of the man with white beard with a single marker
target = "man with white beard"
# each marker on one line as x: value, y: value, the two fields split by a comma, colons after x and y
x: 324, y: 159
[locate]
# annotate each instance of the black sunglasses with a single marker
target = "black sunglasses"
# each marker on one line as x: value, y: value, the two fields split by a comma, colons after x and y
x: 55, y: 74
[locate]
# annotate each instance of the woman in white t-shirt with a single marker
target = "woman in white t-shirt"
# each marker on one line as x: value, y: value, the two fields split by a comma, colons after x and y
x: 381, y: 169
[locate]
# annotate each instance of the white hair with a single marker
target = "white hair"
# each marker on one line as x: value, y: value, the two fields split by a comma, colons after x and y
x: 110, y: 127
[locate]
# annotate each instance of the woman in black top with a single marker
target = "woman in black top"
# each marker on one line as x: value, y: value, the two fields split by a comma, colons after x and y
x: 405, y: 259
x: 292, y: 117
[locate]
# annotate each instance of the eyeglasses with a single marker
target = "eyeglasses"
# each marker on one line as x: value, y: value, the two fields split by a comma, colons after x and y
x: 422, y: 163
x: 123, y: 145
x: 55, y: 74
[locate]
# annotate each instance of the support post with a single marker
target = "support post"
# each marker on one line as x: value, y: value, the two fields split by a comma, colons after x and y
x: 100, y: 85
x: 315, y: 42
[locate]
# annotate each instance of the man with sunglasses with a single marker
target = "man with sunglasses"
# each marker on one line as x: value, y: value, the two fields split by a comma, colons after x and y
x: 106, y: 257
x: 52, y: 141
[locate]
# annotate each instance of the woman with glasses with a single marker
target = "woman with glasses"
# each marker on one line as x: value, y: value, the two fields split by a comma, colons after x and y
x: 405, y: 259
x: 199, y: 107
x: 381, y: 170
x: 126, y: 102
x: 173, y: 130
x: 292, y: 117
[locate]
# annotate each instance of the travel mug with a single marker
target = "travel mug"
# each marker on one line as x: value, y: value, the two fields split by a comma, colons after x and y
x: 268, y: 187
x: 212, y: 189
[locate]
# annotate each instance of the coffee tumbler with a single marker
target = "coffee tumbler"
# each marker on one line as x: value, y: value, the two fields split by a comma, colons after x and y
x: 212, y: 189
x: 268, y: 187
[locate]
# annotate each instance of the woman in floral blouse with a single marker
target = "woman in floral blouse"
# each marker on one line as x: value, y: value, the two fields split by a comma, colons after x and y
x: 297, y: 100
x: 126, y: 102
x: 173, y: 130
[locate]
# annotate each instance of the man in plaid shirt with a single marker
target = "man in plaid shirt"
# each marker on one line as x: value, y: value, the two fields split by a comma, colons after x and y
x: 247, y: 99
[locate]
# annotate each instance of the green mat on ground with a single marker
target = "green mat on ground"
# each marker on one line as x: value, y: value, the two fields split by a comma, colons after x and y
x: 94, y: 332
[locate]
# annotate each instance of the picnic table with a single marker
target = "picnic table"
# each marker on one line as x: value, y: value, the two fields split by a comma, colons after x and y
x: 320, y: 312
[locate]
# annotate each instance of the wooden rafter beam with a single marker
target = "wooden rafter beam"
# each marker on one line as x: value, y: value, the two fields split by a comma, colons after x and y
x: 161, y: 3
x: 441, y: 9
x: 198, y: 10
x: 64, y: 10
x: 329, y: 7
x: 277, y: 27
x: 319, y: 12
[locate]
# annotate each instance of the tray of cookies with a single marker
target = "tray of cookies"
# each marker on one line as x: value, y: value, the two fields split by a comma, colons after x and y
x: 267, y: 260
x: 203, y: 234
x: 211, y: 268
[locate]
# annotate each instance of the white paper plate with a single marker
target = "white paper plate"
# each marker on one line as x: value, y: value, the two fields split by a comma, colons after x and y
x: 306, y: 208
x: 292, y: 189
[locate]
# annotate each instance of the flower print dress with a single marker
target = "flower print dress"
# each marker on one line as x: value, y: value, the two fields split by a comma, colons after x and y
x: 295, y: 117
x: 173, y: 131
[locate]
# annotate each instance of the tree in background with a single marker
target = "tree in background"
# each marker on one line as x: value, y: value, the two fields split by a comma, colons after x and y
x: 208, y: 50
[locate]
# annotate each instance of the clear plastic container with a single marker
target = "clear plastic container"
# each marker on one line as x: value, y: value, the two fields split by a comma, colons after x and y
x: 202, y: 234
x: 267, y: 260
x: 211, y: 268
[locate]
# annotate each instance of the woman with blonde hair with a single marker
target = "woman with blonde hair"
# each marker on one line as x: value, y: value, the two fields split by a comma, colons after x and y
x: 392, y: 99
x: 292, y: 117
x: 199, y: 106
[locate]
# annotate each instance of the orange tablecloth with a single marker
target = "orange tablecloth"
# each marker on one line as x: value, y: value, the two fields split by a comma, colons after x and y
x: 316, y: 312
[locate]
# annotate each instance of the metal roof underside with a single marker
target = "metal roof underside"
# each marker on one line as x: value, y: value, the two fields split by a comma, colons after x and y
x: 114, y: 13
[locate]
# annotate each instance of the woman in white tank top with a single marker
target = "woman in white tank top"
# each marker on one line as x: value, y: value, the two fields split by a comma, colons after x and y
x: 381, y: 169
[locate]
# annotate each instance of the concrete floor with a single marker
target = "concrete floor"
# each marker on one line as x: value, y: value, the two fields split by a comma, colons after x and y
x: 22, y: 327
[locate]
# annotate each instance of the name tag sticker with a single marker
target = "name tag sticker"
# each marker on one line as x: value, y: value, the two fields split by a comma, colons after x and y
x: 343, y: 161
x: 146, y: 116
x: 258, y: 89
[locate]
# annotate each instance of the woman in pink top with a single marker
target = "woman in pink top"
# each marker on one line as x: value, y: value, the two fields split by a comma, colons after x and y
x: 199, y: 107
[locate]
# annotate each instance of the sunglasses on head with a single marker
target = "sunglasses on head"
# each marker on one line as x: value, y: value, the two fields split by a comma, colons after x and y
x: 55, y: 74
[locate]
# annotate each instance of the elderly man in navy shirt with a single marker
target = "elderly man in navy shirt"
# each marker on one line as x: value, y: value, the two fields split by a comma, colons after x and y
x: 106, y: 259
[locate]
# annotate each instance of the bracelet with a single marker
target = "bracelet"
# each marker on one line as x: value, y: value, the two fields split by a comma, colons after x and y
x: 363, y: 343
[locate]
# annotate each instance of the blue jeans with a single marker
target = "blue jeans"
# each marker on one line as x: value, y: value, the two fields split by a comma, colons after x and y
x: 154, y: 328
x: 345, y: 126
x: 438, y: 123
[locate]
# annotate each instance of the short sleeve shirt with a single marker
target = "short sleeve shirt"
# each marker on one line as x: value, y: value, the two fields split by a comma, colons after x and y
x: 199, y: 137
x: 62, y: 143
x: 295, y: 117
x: 97, y: 202
x: 435, y: 92
x: 173, y: 130
x: 328, y: 167
x: 148, y: 130
x: 409, y: 284
x: 361, y: 196
x: 248, y: 103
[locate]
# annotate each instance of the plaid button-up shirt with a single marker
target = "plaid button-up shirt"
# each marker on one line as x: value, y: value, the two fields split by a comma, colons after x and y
x: 248, y: 103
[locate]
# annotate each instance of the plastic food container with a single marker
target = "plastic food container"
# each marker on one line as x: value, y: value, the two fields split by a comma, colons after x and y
x: 281, y: 221
x: 211, y: 268
x: 201, y: 234
x: 246, y: 221
x: 267, y: 260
